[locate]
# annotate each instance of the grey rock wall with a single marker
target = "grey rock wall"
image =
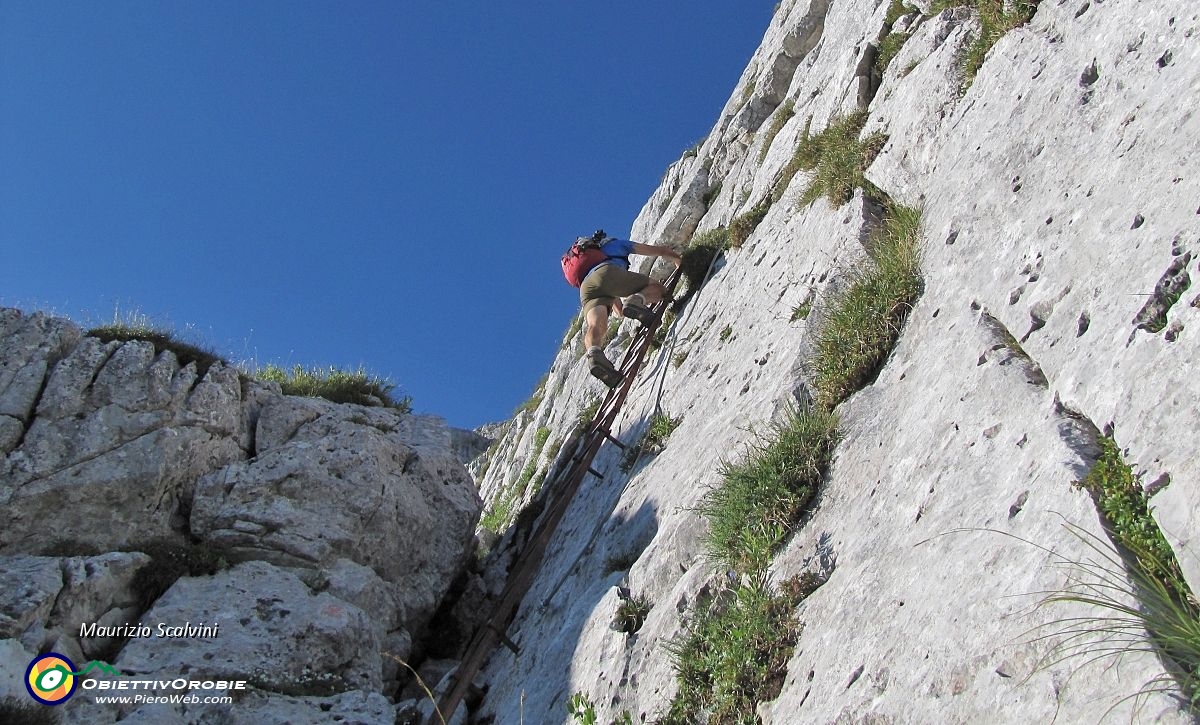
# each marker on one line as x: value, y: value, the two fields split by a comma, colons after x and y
x: 317, y: 536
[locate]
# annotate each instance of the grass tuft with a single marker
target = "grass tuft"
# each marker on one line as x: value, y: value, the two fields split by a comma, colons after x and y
x: 163, y: 341
x: 653, y: 442
x: 889, y: 48
x: 747, y: 93
x: 744, y: 225
x: 994, y: 22
x: 664, y: 329
x: 500, y: 512
x: 782, y: 115
x: 1142, y: 595
x: 623, y: 561
x: 1123, y: 502
x: 896, y: 10
x: 734, y: 648
x: 711, y: 195
x: 762, y: 496
x: 169, y: 561
x: 614, y: 329
x: 535, y: 398
x: 732, y: 654
x: 631, y: 614
x: 697, y: 258
x: 891, y: 44
x: 588, y: 411
x: 573, y: 330
x: 339, y: 386
x: 837, y: 159
x: 861, y: 326
x: 497, y: 516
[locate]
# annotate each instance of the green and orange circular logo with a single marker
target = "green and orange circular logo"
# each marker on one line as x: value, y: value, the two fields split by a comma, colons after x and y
x: 50, y: 679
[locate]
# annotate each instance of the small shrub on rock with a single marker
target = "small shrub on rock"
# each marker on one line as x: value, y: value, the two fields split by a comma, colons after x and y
x: 631, y: 614
x: 782, y: 115
x: 1124, y: 504
x: 652, y: 443
x: 801, y: 311
x: 588, y: 411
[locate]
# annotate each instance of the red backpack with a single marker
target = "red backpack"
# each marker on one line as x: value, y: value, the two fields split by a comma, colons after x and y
x: 583, y: 255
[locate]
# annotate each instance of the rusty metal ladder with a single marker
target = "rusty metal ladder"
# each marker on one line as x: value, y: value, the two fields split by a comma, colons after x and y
x: 494, y: 629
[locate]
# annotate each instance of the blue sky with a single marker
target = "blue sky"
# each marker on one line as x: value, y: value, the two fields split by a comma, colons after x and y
x: 377, y: 184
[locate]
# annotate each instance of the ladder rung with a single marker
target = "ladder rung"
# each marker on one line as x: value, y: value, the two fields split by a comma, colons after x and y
x: 504, y: 640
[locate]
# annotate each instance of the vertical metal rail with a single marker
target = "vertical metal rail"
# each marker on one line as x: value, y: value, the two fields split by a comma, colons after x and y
x: 525, y: 568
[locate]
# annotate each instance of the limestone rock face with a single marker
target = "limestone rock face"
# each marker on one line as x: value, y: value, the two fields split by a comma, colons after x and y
x: 1072, y: 154
x: 115, y: 447
x: 468, y: 444
x: 119, y: 434
x: 1060, y: 244
x: 13, y: 660
x: 273, y: 631
x: 45, y: 599
x: 1059, y: 252
x: 28, y: 588
x: 332, y: 484
x: 97, y: 589
x: 31, y: 346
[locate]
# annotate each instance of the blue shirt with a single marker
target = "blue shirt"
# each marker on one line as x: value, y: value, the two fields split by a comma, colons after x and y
x: 618, y: 251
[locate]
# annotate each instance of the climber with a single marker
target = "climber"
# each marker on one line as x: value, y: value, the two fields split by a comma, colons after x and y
x: 601, y: 290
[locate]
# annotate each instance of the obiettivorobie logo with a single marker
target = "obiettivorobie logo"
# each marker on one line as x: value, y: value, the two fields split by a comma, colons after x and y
x: 50, y: 678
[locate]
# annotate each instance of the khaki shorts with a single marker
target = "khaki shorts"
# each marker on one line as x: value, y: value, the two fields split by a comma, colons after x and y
x: 607, y: 282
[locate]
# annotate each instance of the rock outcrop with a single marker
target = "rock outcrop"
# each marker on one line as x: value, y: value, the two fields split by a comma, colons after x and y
x: 1060, y: 227
x: 273, y: 631
x: 316, y: 539
x: 332, y: 484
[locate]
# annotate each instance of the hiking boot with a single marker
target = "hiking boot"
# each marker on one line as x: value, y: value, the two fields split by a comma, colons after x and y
x: 636, y: 309
x: 601, y: 368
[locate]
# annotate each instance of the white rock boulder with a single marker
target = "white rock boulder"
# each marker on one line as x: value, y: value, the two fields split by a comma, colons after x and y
x: 271, y: 630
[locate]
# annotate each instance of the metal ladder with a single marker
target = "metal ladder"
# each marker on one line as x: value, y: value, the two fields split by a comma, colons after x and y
x: 494, y: 629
